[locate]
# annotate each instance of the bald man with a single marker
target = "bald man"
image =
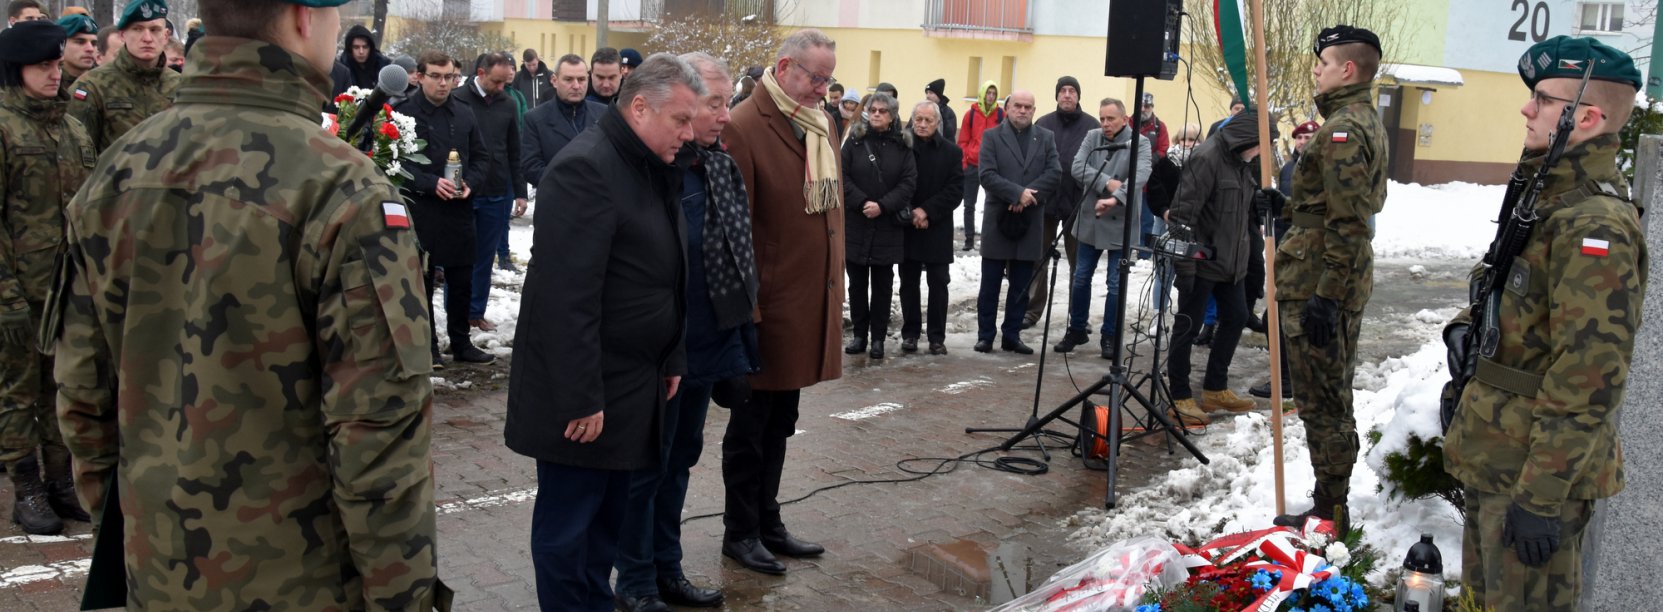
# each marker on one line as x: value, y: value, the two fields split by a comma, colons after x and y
x: 1019, y: 169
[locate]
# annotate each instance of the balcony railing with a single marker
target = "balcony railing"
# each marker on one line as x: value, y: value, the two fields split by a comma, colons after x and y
x: 1002, y: 16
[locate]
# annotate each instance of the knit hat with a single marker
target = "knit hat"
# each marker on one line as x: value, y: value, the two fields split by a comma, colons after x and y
x: 1148, y: 99
x: 630, y: 57
x: 850, y: 96
x: 939, y: 86
x: 888, y: 89
x: 31, y: 42
x: 1069, y: 82
x: 1308, y: 127
x: 406, y: 62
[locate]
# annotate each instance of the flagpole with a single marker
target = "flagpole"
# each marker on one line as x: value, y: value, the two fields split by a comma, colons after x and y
x: 1272, y: 325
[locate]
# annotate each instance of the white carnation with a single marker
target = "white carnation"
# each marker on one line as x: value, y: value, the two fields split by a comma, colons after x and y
x: 395, y: 168
x: 1337, y: 554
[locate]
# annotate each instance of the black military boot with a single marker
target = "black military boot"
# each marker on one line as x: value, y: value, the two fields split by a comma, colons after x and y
x: 30, y: 510
x: 1205, y: 338
x: 1322, y: 507
x: 60, y: 484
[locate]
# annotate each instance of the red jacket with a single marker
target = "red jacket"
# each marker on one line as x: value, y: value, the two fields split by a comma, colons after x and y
x: 970, y: 133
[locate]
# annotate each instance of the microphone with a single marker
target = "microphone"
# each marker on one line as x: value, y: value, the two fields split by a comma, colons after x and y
x: 390, y: 82
x: 1113, y: 146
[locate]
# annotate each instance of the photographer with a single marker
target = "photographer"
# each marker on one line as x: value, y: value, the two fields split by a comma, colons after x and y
x: 1215, y: 199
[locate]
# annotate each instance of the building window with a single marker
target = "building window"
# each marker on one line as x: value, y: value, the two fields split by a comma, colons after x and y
x: 1009, y: 16
x: 1602, y: 17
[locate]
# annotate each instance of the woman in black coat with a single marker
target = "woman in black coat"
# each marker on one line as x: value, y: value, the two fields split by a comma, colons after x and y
x: 929, y: 241
x: 878, y: 180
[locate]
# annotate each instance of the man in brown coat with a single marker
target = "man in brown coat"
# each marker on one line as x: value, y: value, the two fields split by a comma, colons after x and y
x: 780, y: 137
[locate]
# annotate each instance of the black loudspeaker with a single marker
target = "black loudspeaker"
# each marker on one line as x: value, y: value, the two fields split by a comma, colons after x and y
x: 1143, y: 38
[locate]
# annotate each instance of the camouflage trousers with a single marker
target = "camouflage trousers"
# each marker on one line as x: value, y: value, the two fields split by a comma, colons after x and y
x: 27, y: 397
x: 1492, y: 572
x: 1322, y: 389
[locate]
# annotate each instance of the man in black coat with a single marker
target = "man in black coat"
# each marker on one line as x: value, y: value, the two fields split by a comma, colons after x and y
x: 929, y: 242
x: 599, y: 349
x: 442, y: 209
x: 362, y: 58
x: 503, y: 194
x: 1019, y: 169
x: 550, y: 127
x: 1215, y: 200
x: 1069, y: 124
x: 534, y: 80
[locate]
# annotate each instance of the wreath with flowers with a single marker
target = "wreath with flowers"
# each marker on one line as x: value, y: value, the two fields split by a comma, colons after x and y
x: 392, y: 139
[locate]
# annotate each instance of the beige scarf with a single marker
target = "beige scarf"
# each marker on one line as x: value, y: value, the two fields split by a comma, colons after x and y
x: 822, y: 189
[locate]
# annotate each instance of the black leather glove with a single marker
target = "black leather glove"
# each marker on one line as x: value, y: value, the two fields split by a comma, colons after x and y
x: 14, y: 324
x: 1321, y: 319
x: 1534, y: 537
x: 1267, y: 200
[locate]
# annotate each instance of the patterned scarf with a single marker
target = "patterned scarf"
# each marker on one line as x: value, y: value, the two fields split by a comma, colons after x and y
x: 730, y: 264
x: 822, y: 189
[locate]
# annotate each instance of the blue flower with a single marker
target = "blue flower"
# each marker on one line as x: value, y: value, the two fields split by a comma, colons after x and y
x: 1359, y: 599
x: 1333, y: 590
x: 1261, y: 580
x: 1149, y: 608
x: 1320, y: 608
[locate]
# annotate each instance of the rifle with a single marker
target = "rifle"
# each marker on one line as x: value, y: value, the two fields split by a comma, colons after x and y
x: 1517, y: 220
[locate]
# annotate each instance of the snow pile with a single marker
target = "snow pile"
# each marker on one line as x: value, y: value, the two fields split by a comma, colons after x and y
x: 1235, y: 492
x: 1450, y: 221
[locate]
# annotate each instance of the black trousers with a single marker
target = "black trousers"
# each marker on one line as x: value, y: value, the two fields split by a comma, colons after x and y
x: 870, y: 314
x: 910, y: 303
x: 753, y: 456
x: 1192, y: 308
x: 458, y: 292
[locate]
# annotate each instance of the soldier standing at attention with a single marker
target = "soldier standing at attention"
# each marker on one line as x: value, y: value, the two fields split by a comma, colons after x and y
x: 114, y: 97
x: 80, y: 50
x: 1532, y: 440
x: 1325, y: 266
x: 253, y: 295
x: 44, y: 157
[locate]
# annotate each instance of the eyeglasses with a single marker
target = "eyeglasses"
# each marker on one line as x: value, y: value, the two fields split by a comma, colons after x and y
x: 878, y: 110
x: 814, y: 79
x: 1539, y: 98
x: 453, y: 77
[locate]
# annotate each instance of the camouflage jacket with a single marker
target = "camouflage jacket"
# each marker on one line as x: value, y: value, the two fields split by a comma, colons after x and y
x: 1568, y: 311
x: 44, y: 158
x: 1339, y: 183
x: 250, y: 289
x: 111, y: 99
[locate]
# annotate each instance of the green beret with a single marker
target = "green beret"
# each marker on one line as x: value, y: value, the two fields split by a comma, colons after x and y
x: 31, y: 42
x: 78, y: 24
x: 1563, y: 57
x: 142, y: 10
x: 319, y: 3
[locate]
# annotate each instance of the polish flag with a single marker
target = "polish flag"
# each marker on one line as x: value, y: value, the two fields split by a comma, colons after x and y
x: 395, y: 215
x: 80, y: 94
x: 1595, y: 247
x: 1342, y: 136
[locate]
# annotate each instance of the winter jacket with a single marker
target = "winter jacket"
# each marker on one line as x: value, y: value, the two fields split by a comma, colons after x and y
x: 1070, y: 129
x: 361, y: 75
x: 979, y: 119
x: 1107, y: 231
x: 939, y: 192
x: 1215, y: 198
x: 445, y: 228
x: 537, y: 87
x: 549, y: 128
x: 499, y: 126
x: 1006, y: 170
x: 877, y: 167
x: 1155, y: 130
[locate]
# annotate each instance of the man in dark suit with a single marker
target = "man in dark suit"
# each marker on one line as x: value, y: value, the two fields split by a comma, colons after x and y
x: 599, y: 349
x: 503, y: 194
x: 442, y: 208
x: 550, y: 127
x: 1019, y: 169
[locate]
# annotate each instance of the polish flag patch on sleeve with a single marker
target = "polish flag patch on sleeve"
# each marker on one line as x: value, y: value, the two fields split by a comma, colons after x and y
x: 80, y: 94
x: 395, y: 215
x: 1342, y: 136
x: 1595, y: 247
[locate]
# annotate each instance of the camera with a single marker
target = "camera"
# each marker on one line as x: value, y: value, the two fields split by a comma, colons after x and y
x: 1180, y: 242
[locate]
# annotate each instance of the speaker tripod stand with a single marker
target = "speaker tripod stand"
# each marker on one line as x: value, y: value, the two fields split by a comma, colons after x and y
x: 1117, y: 381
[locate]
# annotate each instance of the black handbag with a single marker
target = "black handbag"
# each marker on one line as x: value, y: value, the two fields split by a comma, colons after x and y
x: 902, y: 217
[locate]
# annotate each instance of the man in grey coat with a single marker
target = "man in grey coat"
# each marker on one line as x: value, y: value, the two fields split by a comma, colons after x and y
x: 1019, y: 170
x: 1099, y: 222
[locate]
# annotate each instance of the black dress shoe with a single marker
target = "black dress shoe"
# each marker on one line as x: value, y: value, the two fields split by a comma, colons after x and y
x: 909, y: 345
x: 644, y: 603
x: 1205, y: 338
x: 877, y: 350
x: 1264, y: 390
x: 680, y: 592
x: 471, y: 354
x: 751, y: 554
x: 855, y: 346
x: 984, y: 346
x: 1256, y: 324
x: 781, y: 543
x: 937, y: 348
x: 1015, y: 345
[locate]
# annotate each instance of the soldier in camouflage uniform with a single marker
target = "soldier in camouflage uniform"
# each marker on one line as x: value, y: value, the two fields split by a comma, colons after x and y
x: 80, y: 50
x: 252, y: 294
x: 44, y: 158
x: 1533, y: 439
x: 111, y: 99
x: 1325, y: 265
